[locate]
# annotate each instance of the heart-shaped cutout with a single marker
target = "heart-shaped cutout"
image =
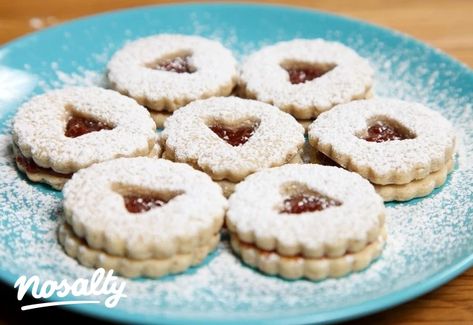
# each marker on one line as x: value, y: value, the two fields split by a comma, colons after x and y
x: 300, y: 199
x: 301, y: 72
x: 234, y: 136
x: 142, y: 203
x: 139, y: 200
x: 385, y: 130
x: 176, y: 63
x: 80, y: 125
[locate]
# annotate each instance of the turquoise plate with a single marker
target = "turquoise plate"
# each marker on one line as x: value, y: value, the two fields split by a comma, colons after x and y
x: 430, y: 239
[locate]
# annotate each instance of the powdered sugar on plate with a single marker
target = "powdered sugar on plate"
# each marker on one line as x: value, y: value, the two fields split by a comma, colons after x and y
x: 425, y: 236
x: 81, y: 77
x: 14, y: 83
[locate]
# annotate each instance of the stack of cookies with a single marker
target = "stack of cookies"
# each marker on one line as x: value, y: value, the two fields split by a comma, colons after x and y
x: 63, y: 131
x: 405, y: 149
x: 149, y: 204
x: 141, y: 216
x: 307, y: 221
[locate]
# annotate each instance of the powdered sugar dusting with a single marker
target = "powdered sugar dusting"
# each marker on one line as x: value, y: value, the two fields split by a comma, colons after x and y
x: 392, y: 161
x: 39, y: 125
x: 14, y: 84
x: 224, y: 284
x: 265, y: 78
x: 425, y: 236
x: 253, y: 217
x: 82, y: 78
x: 94, y: 208
x: 132, y: 71
x: 188, y: 137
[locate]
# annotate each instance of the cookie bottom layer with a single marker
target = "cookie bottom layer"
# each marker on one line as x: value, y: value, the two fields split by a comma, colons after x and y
x: 418, y: 188
x: 393, y: 192
x: 58, y: 182
x: 300, y: 113
x: 54, y: 181
x: 153, y: 268
x: 164, y: 104
x: 300, y: 267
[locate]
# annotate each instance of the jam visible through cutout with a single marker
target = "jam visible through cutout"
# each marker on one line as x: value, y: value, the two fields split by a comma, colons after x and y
x: 302, y: 72
x: 308, y: 202
x: 78, y: 125
x: 300, y: 199
x: 382, y: 131
x: 142, y: 203
x: 140, y: 200
x: 178, y: 64
x: 234, y: 136
x: 31, y: 167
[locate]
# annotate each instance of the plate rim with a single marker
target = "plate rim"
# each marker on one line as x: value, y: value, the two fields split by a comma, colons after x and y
x: 208, y: 3
x: 387, y: 301
x: 384, y: 302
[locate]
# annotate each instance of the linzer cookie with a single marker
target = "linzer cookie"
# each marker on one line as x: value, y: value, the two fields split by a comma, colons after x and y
x: 230, y: 138
x: 405, y: 149
x: 62, y: 131
x: 307, y: 221
x: 306, y: 77
x: 165, y: 72
x: 141, y: 216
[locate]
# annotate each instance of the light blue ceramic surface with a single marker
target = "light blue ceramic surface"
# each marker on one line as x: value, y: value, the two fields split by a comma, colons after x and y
x: 430, y: 239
